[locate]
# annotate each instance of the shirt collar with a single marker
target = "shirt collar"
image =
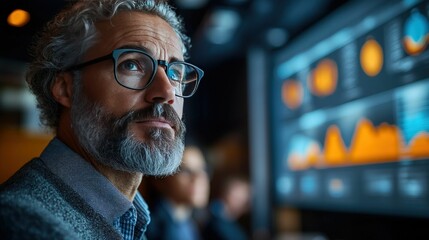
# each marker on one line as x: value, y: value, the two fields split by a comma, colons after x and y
x: 143, y: 214
x: 91, y: 185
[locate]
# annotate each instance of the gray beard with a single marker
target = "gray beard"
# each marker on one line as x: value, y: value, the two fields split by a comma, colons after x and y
x: 107, y: 138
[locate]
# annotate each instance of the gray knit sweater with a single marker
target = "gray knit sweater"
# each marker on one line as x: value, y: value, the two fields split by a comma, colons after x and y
x: 36, y: 204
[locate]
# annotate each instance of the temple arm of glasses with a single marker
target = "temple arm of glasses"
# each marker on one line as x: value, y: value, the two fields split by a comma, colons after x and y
x: 90, y: 62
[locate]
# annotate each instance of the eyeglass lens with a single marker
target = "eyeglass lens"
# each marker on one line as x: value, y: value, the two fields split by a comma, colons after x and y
x: 135, y: 70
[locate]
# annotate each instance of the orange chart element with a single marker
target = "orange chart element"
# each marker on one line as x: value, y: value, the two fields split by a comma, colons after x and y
x: 371, y: 57
x: 412, y: 47
x: 299, y: 162
x: 323, y: 79
x: 292, y: 94
x: 369, y: 145
x: 419, y: 146
x: 335, y: 150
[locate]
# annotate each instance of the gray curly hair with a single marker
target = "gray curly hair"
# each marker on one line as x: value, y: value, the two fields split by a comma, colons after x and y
x: 66, y: 38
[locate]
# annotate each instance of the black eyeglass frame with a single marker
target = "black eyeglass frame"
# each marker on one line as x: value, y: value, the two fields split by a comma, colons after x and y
x: 114, y: 55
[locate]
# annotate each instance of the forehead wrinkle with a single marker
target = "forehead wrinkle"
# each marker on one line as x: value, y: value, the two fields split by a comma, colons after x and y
x: 158, y: 42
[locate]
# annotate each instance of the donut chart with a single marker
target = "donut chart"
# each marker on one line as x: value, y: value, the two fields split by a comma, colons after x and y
x: 416, y: 33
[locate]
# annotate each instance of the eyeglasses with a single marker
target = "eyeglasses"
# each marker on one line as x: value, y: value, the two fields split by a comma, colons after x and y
x: 186, y: 171
x: 135, y: 69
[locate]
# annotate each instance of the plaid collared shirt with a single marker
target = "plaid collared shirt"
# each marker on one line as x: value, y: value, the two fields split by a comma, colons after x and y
x: 130, y: 224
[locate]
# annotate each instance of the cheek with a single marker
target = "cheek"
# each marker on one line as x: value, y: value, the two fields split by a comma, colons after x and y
x: 102, y: 88
x: 99, y: 86
x: 178, y: 106
x: 201, y: 192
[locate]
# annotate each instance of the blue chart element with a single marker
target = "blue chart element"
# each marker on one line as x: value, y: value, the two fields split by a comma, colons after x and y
x: 413, y: 109
x: 309, y: 185
x: 413, y: 183
x: 285, y: 185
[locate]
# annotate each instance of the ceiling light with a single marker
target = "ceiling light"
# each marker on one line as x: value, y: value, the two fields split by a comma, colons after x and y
x: 276, y: 37
x: 18, y: 18
x: 222, y: 25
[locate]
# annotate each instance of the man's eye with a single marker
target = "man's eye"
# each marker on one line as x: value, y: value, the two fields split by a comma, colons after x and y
x: 175, y: 75
x: 130, y: 65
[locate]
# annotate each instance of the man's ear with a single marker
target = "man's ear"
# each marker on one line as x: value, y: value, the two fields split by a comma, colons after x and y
x: 62, y: 89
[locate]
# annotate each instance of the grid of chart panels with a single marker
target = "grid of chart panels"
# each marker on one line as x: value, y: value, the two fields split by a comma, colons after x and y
x: 350, y: 116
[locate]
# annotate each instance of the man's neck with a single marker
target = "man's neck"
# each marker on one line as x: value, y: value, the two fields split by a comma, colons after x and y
x: 126, y: 182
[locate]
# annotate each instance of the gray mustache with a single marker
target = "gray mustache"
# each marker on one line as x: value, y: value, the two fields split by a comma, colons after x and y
x: 155, y: 111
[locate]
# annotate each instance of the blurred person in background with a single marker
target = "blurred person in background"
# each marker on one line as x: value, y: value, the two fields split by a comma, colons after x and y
x: 230, y: 200
x: 175, y: 200
x: 109, y: 77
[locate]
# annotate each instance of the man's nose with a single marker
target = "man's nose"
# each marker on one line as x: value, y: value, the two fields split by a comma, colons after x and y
x: 160, y: 90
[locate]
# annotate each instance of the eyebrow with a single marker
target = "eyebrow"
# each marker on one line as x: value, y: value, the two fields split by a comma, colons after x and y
x: 136, y: 47
x: 147, y: 50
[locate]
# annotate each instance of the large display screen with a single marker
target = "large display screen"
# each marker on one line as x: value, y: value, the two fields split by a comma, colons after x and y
x: 350, y: 112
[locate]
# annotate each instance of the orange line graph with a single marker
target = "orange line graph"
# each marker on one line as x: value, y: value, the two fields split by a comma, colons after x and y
x: 369, y: 145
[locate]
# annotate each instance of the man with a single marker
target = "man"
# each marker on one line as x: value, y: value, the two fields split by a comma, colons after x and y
x: 230, y: 200
x: 176, y: 198
x: 109, y: 76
